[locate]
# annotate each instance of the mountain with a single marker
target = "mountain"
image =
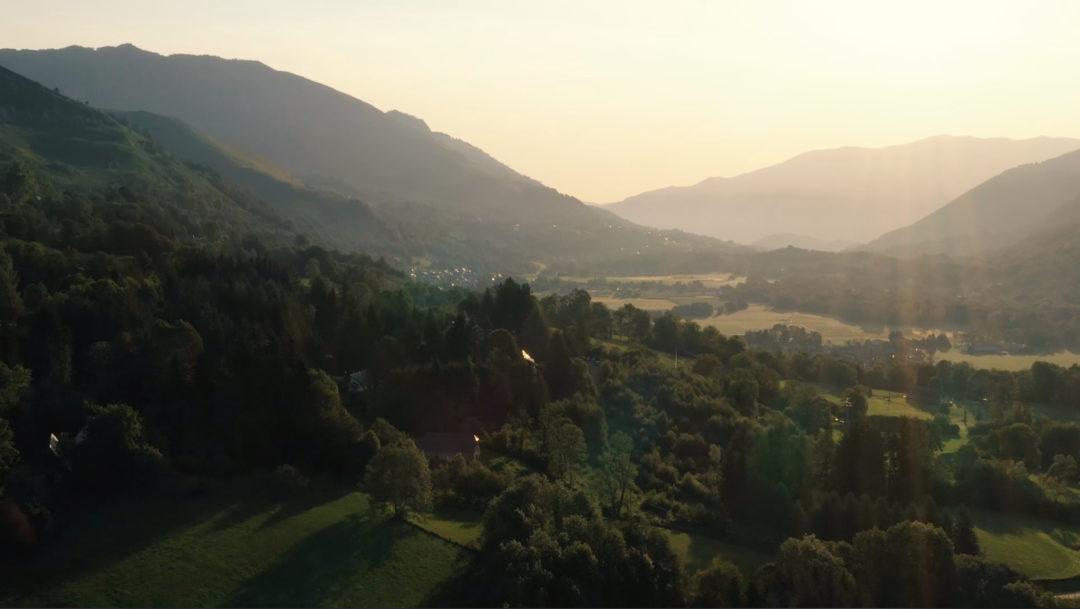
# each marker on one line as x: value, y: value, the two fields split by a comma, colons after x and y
x: 74, y: 148
x: 470, y: 209
x: 848, y: 194
x: 327, y: 217
x: 1003, y: 210
x: 806, y: 242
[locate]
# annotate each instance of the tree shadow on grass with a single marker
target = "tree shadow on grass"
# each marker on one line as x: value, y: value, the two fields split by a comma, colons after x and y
x: 461, y: 590
x: 260, y: 501
x: 95, y: 536
x: 314, y: 497
x: 323, y: 566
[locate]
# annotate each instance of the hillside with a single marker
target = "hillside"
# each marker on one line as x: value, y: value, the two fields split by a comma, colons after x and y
x: 335, y: 220
x: 76, y: 148
x: 850, y: 194
x: 468, y: 208
x: 1003, y: 210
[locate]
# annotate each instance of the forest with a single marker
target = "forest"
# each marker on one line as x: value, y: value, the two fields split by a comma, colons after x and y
x: 142, y: 343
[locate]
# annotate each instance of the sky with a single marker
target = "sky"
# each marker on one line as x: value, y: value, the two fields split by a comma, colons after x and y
x: 603, y: 100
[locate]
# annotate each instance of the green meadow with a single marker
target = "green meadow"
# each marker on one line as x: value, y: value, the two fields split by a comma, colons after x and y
x: 328, y: 548
x: 1040, y: 549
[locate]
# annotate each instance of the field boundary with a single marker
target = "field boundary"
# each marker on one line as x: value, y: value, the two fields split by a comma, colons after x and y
x: 422, y: 528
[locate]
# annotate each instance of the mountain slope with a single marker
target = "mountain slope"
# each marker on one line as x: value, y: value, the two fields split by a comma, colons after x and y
x: 1003, y: 210
x: 76, y: 148
x: 850, y: 194
x: 473, y: 210
x: 327, y: 217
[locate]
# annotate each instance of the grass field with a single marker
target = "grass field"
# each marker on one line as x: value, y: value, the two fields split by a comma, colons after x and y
x: 883, y: 403
x: 646, y: 304
x: 461, y: 526
x: 1040, y: 549
x: 708, y: 280
x: 1012, y: 363
x: 328, y: 549
x: 697, y: 551
x: 757, y: 317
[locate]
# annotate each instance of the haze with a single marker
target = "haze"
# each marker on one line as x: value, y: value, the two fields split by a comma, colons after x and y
x: 612, y: 99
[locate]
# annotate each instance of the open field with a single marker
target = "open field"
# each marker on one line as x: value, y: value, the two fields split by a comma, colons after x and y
x: 697, y: 551
x: 757, y: 317
x: 461, y: 526
x: 883, y: 403
x: 1040, y: 549
x: 708, y: 280
x: 325, y: 549
x: 646, y: 304
x: 1012, y: 363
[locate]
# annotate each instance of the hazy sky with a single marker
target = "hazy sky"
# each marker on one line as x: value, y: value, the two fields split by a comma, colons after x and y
x: 606, y: 99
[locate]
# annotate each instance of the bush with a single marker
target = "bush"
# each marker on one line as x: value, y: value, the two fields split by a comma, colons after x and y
x: 287, y: 481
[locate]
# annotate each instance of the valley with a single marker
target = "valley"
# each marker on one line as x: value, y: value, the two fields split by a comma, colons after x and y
x: 263, y: 343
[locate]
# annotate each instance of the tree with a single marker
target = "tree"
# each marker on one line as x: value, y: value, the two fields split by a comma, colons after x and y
x: 617, y: 471
x: 633, y: 323
x: 963, y: 534
x: 718, y: 585
x: 14, y: 385
x: 9, y: 455
x: 666, y: 333
x: 115, y: 453
x: 398, y: 476
x: 742, y: 389
x: 860, y: 460
x: 909, y: 565
x: 10, y: 302
x: 806, y: 573
x: 1064, y: 469
x: 565, y: 448
x: 20, y: 183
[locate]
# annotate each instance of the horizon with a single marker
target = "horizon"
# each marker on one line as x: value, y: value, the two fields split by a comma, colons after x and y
x: 605, y: 102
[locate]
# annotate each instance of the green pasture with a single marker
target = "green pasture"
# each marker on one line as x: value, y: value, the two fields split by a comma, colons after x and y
x: 327, y: 548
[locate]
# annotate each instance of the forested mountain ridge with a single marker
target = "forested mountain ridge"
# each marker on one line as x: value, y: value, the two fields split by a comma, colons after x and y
x: 843, y: 194
x: 999, y: 212
x: 452, y: 203
x: 81, y: 149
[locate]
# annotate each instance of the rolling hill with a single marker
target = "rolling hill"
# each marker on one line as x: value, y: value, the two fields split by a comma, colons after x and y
x: 845, y: 194
x: 1002, y: 211
x: 467, y: 208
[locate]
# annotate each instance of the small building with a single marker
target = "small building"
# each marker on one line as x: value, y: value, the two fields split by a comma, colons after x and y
x: 446, y: 446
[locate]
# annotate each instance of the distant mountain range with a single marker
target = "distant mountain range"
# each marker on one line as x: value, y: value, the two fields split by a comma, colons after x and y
x: 448, y: 202
x: 1002, y: 211
x: 846, y: 194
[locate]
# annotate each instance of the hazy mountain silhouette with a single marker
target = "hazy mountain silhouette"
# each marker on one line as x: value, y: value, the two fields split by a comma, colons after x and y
x: 1001, y: 211
x: 477, y: 210
x: 848, y: 194
x: 806, y: 242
